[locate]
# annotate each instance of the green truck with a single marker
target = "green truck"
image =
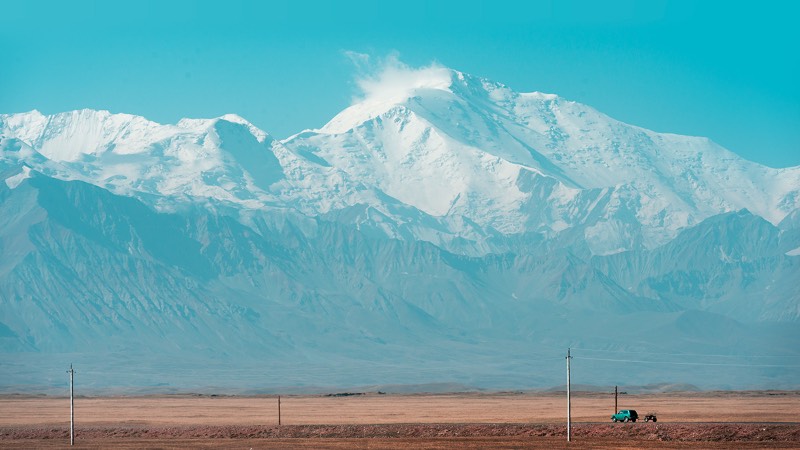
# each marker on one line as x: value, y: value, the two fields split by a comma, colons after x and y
x: 625, y: 415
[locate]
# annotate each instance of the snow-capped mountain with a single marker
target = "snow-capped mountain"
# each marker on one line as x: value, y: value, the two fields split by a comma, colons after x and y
x: 456, y: 145
x: 443, y: 221
x: 132, y: 156
x: 471, y: 156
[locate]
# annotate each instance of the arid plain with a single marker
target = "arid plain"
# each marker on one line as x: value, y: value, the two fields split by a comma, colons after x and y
x: 764, y: 419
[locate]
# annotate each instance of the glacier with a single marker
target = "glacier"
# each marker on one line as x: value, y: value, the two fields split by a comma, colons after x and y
x: 447, y: 230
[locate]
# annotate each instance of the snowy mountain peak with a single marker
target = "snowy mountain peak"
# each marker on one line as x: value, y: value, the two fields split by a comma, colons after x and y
x: 389, y: 89
x: 474, y: 157
x: 69, y: 136
x: 203, y: 125
x: 437, y: 90
x: 225, y: 159
x: 517, y: 162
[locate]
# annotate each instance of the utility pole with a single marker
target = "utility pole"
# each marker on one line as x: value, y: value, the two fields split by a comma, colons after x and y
x: 71, y: 406
x: 569, y: 404
x: 279, y: 410
x: 616, y: 395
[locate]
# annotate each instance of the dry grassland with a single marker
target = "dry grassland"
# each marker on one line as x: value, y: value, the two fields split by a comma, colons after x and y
x: 403, y: 421
x: 385, y: 409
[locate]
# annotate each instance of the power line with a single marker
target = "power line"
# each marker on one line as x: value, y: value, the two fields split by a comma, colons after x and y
x: 687, y: 354
x: 687, y: 363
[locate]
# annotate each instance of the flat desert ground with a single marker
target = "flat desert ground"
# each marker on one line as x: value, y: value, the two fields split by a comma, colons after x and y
x: 764, y: 419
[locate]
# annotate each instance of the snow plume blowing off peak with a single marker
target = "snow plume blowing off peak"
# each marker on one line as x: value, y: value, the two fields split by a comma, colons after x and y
x: 389, y: 79
x: 383, y: 82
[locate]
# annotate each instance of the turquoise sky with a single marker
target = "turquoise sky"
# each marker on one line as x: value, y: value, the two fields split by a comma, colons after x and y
x: 726, y: 70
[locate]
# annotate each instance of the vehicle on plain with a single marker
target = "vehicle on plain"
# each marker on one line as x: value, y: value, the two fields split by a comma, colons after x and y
x: 650, y: 417
x: 625, y: 415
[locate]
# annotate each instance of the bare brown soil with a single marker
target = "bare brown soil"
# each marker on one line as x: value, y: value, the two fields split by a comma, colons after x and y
x: 707, y: 420
x: 399, y: 436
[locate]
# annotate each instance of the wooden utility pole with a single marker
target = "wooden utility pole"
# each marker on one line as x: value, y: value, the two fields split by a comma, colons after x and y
x: 569, y: 404
x: 279, y: 410
x: 71, y: 406
x: 616, y: 395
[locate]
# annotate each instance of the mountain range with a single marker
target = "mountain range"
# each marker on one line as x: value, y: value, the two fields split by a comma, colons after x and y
x: 446, y: 230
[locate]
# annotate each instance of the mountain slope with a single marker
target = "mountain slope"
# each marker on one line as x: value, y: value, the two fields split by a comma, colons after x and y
x: 447, y: 229
x: 103, y: 279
